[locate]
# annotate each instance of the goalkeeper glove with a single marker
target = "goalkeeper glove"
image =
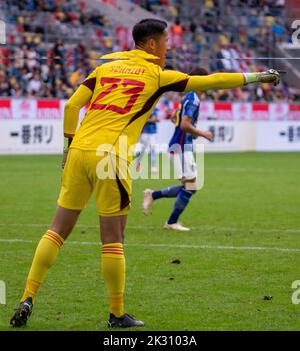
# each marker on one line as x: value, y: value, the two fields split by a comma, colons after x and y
x: 269, y: 76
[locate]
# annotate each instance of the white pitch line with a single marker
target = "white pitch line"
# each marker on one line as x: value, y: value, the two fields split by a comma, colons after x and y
x: 252, y: 170
x: 198, y: 228
x: 178, y: 246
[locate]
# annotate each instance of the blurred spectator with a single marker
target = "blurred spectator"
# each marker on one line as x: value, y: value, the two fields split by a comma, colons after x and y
x: 34, y: 84
x: 177, y: 34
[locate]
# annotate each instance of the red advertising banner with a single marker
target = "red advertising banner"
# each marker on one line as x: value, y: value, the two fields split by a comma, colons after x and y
x: 260, y: 112
x: 223, y: 111
x: 5, y: 109
x: 28, y: 109
x: 48, y: 109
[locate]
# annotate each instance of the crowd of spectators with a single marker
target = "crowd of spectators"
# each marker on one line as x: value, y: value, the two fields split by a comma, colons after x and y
x: 35, y: 70
x: 224, y: 34
x: 35, y: 62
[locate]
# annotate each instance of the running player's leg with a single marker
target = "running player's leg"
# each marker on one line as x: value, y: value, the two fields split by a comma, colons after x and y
x: 150, y: 195
x: 180, y: 205
x: 144, y: 141
x: 189, y: 187
x: 171, y: 191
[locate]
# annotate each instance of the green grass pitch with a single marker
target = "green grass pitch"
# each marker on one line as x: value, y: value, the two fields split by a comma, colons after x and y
x: 244, y: 245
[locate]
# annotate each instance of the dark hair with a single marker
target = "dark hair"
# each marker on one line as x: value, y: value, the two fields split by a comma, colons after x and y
x: 199, y: 71
x: 146, y: 28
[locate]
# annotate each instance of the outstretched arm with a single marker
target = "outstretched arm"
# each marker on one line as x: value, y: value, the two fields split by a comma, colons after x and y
x: 215, y: 81
x: 177, y: 81
x: 230, y: 80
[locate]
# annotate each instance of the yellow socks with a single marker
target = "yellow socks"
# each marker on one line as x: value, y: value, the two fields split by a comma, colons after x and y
x: 44, y: 258
x: 113, y: 270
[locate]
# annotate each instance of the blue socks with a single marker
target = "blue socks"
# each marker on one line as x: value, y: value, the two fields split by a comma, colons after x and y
x: 171, y: 191
x: 182, y: 199
x: 181, y: 202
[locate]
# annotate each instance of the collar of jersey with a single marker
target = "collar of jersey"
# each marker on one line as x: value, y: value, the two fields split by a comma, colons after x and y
x: 127, y: 55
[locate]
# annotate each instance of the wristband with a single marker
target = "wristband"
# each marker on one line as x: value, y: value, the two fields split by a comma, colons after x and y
x: 251, y: 77
x: 67, y: 143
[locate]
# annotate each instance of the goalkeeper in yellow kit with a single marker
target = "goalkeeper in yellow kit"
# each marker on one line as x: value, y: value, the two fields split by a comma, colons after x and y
x: 121, y: 94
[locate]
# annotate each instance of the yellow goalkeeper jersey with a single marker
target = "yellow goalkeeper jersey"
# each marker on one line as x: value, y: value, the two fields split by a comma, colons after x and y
x: 121, y: 95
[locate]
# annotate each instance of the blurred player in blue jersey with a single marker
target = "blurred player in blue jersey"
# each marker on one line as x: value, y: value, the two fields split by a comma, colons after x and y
x: 148, y: 141
x: 181, y: 151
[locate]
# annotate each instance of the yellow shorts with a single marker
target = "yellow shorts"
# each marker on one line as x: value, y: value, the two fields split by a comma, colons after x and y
x: 85, y: 173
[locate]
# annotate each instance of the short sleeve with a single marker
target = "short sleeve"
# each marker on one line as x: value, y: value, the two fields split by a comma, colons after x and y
x: 189, y: 109
x: 90, y: 80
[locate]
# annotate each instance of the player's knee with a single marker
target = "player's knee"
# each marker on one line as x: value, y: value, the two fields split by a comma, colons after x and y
x: 112, y: 229
x: 190, y: 185
x: 193, y: 191
x: 64, y: 221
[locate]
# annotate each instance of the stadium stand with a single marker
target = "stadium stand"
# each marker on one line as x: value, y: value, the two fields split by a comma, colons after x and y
x: 48, y: 53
